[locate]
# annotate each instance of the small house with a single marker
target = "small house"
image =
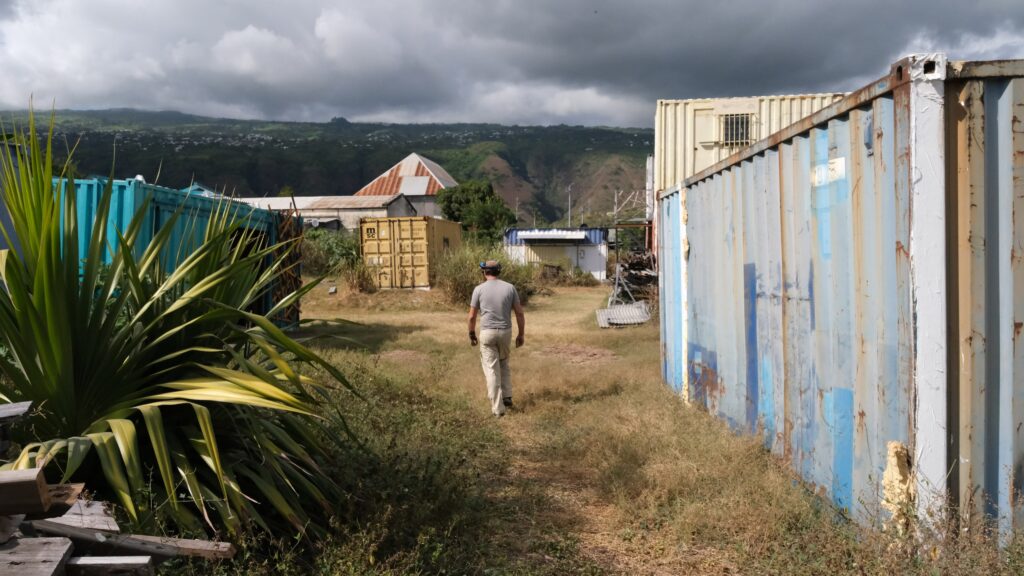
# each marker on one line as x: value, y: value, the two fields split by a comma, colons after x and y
x: 417, y: 178
x: 583, y: 248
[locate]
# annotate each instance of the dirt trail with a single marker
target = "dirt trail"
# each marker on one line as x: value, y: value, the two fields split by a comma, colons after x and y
x: 576, y: 373
x: 578, y: 509
x: 575, y: 386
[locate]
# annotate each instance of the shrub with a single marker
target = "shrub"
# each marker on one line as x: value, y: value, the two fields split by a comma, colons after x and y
x: 328, y: 251
x: 337, y: 253
x: 358, y: 277
x: 565, y: 274
x: 152, y: 381
x: 459, y: 272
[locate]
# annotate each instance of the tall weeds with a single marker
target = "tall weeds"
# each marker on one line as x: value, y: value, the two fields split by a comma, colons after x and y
x: 459, y: 272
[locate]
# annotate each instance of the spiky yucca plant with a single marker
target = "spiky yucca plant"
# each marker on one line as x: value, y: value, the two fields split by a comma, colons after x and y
x: 153, y: 381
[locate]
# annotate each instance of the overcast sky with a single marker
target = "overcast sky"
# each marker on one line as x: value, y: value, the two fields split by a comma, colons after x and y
x: 588, y: 62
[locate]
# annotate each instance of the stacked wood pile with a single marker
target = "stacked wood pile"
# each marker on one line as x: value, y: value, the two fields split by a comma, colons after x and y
x: 50, y: 530
x: 638, y: 269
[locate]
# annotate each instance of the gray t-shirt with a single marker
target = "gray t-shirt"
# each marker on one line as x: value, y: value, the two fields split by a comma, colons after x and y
x: 494, y: 299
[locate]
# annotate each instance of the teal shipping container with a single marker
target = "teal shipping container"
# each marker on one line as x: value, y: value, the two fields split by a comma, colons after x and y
x: 131, y: 195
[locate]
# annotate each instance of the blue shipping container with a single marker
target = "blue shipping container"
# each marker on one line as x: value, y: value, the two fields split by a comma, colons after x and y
x: 854, y: 283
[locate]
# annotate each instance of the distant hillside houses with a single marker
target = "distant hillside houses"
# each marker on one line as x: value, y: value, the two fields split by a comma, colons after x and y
x: 408, y: 188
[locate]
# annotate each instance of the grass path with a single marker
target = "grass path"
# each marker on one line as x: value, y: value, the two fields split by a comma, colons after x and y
x: 574, y: 385
x: 599, y: 469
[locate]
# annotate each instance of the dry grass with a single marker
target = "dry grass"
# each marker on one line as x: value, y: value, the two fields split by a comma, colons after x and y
x: 599, y: 469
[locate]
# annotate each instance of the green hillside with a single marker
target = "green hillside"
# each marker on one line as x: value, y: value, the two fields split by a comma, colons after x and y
x: 530, y: 166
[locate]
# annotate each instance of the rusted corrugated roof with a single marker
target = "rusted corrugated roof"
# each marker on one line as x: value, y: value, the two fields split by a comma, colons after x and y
x: 413, y: 176
x: 351, y: 202
x: 321, y: 202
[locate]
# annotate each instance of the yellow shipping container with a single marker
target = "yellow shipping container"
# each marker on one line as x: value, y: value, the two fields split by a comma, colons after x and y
x: 403, y: 252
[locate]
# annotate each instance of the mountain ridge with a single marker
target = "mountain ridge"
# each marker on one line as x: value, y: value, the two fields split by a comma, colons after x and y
x: 529, y: 166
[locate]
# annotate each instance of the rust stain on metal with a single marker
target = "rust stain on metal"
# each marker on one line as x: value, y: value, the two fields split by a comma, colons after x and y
x: 709, y: 381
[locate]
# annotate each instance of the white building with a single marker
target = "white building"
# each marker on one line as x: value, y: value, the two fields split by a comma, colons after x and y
x: 337, y: 212
x: 583, y: 248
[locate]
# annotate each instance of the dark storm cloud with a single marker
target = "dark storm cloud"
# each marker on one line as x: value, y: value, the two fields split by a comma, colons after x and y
x: 526, y: 61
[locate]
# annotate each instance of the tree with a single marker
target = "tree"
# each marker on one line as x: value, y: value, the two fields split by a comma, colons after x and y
x: 480, y: 210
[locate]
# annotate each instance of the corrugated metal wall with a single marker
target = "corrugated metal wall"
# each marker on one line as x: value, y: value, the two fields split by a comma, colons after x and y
x: 688, y: 133
x: 128, y: 196
x: 985, y: 148
x: 857, y: 279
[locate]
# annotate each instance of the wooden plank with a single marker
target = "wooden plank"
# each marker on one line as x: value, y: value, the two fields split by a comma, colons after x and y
x: 62, y: 498
x: 89, y: 514
x: 197, y: 548
x: 99, y: 541
x: 157, y: 546
x: 13, y: 411
x: 23, y: 492
x: 35, y: 556
x: 110, y: 566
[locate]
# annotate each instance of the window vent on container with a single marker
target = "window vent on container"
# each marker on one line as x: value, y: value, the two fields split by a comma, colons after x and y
x: 736, y: 130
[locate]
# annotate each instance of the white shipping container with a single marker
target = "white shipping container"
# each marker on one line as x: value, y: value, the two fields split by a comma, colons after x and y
x: 691, y: 135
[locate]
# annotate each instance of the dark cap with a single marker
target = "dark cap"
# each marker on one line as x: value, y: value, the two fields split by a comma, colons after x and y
x: 491, y: 266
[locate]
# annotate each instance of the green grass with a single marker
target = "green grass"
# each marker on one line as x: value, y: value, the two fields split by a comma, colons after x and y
x: 599, y: 470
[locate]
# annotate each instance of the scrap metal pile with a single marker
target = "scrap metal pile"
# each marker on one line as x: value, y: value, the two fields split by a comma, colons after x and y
x: 636, y: 283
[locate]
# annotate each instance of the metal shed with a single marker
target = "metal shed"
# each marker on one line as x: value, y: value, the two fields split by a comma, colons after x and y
x: 584, y: 248
x: 857, y: 279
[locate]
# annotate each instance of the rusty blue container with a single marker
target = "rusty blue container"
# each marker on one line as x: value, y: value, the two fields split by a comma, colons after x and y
x: 855, y: 282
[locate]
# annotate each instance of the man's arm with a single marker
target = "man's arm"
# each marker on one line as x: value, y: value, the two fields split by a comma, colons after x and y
x: 472, y: 325
x: 521, y: 321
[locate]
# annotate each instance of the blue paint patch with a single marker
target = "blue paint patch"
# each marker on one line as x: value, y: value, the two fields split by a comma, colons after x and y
x: 766, y: 404
x: 839, y: 417
x: 810, y: 290
x: 750, y: 313
x: 809, y: 430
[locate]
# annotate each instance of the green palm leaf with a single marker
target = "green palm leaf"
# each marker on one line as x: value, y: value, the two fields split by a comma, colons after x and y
x: 159, y: 343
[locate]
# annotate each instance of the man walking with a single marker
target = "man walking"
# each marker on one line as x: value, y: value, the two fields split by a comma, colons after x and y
x: 494, y: 300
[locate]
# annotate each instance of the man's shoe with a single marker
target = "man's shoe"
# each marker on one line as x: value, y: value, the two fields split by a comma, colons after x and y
x: 507, y: 401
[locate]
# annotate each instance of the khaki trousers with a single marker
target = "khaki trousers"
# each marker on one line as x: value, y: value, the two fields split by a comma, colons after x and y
x: 495, y: 347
